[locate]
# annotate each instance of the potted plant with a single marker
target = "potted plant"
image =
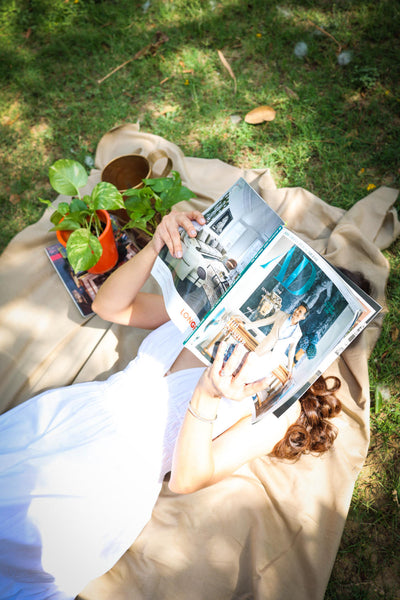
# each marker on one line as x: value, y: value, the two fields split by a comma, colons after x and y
x: 147, y: 205
x: 83, y: 225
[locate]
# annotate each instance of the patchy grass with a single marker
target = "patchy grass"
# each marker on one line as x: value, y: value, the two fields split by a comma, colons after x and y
x: 367, y: 565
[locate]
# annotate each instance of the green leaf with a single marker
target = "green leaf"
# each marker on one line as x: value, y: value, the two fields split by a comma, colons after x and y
x: 106, y: 196
x: 67, y: 176
x: 138, y: 215
x: 63, y: 208
x: 161, y: 184
x: 138, y: 224
x: 78, y: 205
x: 145, y: 193
x: 171, y: 191
x: 382, y: 394
x: 83, y: 250
x: 140, y: 206
x: 141, y: 222
x: 70, y: 216
x: 135, y: 193
x: 67, y: 224
x: 88, y: 202
x: 56, y: 217
x: 171, y: 197
x: 184, y: 194
x: 158, y: 196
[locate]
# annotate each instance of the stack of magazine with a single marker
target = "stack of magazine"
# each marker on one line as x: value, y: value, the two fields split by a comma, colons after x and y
x: 83, y: 286
x: 247, y: 279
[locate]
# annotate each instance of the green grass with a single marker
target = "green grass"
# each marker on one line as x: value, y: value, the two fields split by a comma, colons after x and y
x: 336, y: 133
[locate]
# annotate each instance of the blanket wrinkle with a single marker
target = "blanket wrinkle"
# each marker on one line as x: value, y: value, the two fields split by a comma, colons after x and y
x: 363, y: 247
x: 303, y: 212
x: 294, y: 514
x: 263, y: 569
x: 347, y: 370
x: 375, y: 217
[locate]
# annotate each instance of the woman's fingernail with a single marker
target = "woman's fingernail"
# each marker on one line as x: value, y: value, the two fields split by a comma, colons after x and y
x: 178, y: 254
x: 192, y: 232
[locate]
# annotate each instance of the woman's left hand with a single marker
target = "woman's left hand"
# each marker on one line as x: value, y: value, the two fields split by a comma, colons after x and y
x: 230, y: 378
x: 167, y: 231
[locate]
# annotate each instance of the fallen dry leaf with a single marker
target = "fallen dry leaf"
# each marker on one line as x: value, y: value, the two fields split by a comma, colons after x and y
x: 167, y: 109
x: 8, y: 121
x: 395, y: 333
x: 227, y: 67
x: 260, y: 114
x: 14, y: 199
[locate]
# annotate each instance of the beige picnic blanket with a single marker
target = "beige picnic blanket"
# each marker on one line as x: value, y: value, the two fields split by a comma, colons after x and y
x: 270, y: 531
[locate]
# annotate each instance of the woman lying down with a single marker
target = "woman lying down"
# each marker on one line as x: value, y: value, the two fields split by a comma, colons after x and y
x: 81, y: 467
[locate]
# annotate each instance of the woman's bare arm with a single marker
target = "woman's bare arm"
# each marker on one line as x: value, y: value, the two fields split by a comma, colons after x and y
x: 200, y: 461
x: 120, y: 300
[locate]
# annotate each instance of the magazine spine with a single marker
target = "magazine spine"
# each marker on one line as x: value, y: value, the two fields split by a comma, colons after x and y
x: 84, y: 315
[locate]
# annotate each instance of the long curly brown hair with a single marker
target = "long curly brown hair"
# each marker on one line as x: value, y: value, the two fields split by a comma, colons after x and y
x: 312, y: 432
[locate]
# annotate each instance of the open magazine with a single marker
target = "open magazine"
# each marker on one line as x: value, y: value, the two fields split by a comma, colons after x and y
x: 245, y: 278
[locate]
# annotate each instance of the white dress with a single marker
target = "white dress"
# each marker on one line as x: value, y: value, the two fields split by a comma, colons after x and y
x: 81, y: 468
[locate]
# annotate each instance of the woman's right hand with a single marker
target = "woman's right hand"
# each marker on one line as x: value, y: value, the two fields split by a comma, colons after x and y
x: 168, y: 230
x: 230, y: 378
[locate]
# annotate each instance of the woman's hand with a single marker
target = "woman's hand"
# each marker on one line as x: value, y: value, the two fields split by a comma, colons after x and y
x: 168, y: 230
x: 120, y: 298
x: 230, y: 378
x: 199, y: 460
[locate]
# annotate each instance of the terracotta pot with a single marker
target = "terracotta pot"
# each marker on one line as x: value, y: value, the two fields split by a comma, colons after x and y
x: 109, y: 258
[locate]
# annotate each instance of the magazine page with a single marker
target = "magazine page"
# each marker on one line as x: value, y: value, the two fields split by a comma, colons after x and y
x: 237, y: 226
x: 290, y: 309
x: 370, y: 309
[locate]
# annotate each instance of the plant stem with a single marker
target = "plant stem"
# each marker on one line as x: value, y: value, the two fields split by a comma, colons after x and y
x: 145, y: 230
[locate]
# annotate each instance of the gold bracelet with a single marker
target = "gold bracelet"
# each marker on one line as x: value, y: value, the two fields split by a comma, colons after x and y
x: 198, y: 416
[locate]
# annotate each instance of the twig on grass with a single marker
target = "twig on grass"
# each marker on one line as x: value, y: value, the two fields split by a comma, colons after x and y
x: 150, y: 48
x: 115, y: 70
x: 322, y: 30
x: 227, y: 67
